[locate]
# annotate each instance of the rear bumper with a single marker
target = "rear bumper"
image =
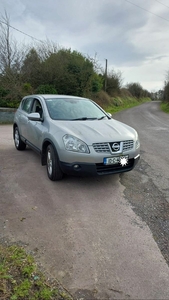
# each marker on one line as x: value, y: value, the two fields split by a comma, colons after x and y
x: 88, y: 169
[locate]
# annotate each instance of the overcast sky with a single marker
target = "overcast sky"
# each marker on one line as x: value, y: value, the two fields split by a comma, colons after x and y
x: 132, y: 35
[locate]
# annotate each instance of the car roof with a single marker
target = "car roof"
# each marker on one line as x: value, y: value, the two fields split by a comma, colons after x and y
x: 54, y: 96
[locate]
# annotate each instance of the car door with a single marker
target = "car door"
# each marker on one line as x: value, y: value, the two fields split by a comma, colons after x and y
x: 36, y: 128
x: 23, y: 116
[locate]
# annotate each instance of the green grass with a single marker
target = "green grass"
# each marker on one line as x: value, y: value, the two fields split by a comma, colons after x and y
x: 21, y: 279
x: 165, y: 107
x: 119, y: 104
x: 6, y: 123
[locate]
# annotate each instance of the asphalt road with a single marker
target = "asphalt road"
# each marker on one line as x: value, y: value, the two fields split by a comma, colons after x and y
x: 94, y: 234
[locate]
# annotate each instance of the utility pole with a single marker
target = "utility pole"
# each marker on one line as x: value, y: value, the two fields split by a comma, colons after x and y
x: 105, y: 82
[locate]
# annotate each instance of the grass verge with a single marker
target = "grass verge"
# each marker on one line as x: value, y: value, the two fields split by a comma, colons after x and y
x: 119, y: 104
x: 165, y: 107
x: 21, y: 279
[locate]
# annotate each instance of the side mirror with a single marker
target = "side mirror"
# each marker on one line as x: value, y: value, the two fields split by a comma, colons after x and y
x: 34, y: 117
x: 109, y: 115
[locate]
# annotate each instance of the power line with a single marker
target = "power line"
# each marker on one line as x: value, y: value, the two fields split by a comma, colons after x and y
x: 124, y: 0
x: 21, y: 31
x: 162, y: 3
x: 146, y: 10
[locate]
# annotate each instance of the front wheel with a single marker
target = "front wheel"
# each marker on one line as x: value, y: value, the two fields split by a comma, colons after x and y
x: 53, y: 169
x: 19, y: 144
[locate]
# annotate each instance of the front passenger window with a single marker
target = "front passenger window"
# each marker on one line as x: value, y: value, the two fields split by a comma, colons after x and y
x: 26, y: 106
x: 37, y: 107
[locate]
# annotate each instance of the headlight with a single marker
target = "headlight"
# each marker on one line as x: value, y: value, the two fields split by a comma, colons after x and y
x: 74, y: 144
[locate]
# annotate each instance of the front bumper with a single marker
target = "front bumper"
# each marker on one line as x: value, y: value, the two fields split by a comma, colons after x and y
x: 93, y: 169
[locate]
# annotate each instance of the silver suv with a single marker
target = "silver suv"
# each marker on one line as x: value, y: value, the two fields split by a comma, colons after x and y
x: 74, y: 135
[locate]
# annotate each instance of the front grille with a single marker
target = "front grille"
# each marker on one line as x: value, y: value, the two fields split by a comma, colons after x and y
x: 110, y: 169
x: 101, y: 147
x: 104, y: 147
x: 128, y: 145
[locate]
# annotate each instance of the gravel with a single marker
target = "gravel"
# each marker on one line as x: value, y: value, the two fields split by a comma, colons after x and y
x: 149, y: 203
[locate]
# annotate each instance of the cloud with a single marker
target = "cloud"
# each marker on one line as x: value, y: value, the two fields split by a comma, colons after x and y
x: 133, y: 39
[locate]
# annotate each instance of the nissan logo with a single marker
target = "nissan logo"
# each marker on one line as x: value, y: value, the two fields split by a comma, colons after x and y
x: 116, y: 147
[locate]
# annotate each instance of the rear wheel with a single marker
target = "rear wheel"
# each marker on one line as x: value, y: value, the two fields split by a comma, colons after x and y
x: 53, y: 168
x: 19, y: 144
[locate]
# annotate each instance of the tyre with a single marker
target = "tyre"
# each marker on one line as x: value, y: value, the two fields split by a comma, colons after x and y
x: 19, y: 144
x: 53, y: 169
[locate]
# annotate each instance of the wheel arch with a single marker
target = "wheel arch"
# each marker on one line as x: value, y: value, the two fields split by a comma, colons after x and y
x: 45, y: 144
x: 14, y: 126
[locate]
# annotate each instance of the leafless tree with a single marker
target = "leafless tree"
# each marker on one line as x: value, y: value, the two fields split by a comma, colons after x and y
x: 7, y: 44
x: 98, y: 68
x: 11, y: 57
x: 46, y: 48
x: 11, y: 53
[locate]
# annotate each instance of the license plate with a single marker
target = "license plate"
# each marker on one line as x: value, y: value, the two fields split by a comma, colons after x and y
x: 123, y: 160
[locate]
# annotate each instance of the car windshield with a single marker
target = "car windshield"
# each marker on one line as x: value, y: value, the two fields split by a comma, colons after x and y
x: 73, y: 109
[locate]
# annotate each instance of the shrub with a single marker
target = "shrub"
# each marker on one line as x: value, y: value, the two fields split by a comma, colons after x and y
x: 9, y: 103
x: 46, y: 89
x: 101, y: 98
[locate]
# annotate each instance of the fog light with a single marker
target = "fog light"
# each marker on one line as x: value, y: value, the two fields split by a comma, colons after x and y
x: 76, y: 166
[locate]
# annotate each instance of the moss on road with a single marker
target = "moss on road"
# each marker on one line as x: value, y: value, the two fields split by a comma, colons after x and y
x: 21, y: 279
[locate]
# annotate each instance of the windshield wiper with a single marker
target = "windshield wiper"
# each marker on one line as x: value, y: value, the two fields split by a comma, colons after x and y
x: 84, y: 119
x: 102, y: 117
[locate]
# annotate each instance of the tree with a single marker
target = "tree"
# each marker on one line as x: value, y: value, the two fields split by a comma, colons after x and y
x: 11, y: 57
x: 46, y: 48
x: 32, y: 69
x: 6, y: 43
x: 135, y: 89
x: 96, y: 83
x: 69, y: 72
x: 114, y: 83
x: 166, y: 88
x: 166, y: 92
x: 46, y: 89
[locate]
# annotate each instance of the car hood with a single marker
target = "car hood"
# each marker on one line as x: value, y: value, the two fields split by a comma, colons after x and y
x: 96, y: 131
